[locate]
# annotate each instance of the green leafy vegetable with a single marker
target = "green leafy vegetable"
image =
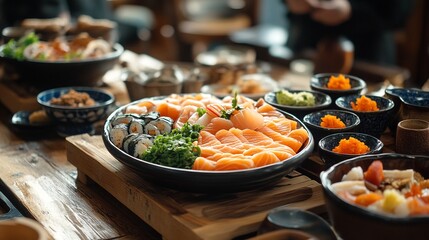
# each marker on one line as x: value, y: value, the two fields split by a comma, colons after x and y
x: 175, y: 149
x: 201, y: 111
x: 15, y: 49
x: 228, y: 113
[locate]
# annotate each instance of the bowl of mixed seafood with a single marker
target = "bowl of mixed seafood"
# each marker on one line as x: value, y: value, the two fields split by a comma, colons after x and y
x: 73, y: 61
x: 200, y: 143
x: 379, y: 196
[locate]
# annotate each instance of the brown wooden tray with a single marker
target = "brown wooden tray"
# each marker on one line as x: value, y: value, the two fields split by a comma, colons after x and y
x: 179, y: 215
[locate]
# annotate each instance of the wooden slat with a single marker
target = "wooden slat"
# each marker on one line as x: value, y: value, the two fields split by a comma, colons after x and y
x: 179, y: 215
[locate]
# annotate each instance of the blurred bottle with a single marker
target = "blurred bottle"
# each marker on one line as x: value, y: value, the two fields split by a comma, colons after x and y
x: 334, y: 55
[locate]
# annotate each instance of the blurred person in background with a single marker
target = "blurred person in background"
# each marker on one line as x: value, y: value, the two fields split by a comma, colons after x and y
x: 368, y: 24
x: 12, y: 12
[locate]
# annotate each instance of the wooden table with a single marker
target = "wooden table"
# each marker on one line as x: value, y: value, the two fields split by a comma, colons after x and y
x: 43, y: 184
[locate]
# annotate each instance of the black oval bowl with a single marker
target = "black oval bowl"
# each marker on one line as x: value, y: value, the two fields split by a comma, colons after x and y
x: 319, y: 83
x: 323, y: 101
x: 353, y: 222
x: 375, y: 122
x: 49, y: 74
x: 313, y: 120
x: 327, y: 143
x: 207, y: 181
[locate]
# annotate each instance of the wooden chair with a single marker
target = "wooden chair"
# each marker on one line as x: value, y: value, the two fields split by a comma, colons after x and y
x: 198, y: 23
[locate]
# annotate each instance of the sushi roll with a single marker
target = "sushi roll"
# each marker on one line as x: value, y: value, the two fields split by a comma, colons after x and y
x: 128, y: 139
x: 139, y: 145
x: 136, y: 126
x: 151, y: 129
x: 124, y: 118
x: 118, y: 133
x: 150, y: 116
x: 163, y: 124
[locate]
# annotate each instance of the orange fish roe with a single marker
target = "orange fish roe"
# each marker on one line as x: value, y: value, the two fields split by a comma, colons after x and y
x: 351, y: 146
x: 364, y: 104
x: 340, y: 83
x: 331, y: 121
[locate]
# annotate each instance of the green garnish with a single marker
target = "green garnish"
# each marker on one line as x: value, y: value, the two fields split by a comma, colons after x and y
x: 15, y: 49
x: 201, y: 112
x: 228, y: 113
x: 175, y: 149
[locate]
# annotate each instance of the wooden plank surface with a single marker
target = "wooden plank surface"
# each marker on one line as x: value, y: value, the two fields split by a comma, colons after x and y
x: 179, y: 215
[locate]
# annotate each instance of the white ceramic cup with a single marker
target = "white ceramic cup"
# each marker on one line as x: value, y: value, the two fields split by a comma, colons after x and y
x: 412, y: 137
x: 22, y: 228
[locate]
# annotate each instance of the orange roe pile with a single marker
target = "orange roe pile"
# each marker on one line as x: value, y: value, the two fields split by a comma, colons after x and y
x: 331, y: 121
x: 364, y: 104
x: 351, y: 146
x: 339, y: 83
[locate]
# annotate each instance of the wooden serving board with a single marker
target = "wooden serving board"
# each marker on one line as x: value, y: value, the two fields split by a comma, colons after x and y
x: 180, y: 215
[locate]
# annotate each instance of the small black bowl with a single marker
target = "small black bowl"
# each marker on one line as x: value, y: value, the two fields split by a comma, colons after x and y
x: 328, y: 143
x: 313, y: 120
x: 323, y: 101
x: 320, y: 81
x: 374, y: 122
x: 354, y: 222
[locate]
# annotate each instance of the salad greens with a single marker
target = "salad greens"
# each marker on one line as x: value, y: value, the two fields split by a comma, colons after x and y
x: 175, y: 149
x: 15, y: 49
x: 228, y: 113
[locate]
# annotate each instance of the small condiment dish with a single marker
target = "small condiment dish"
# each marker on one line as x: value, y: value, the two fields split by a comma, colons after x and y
x: 320, y: 81
x: 328, y: 143
x: 372, y: 122
x: 322, y: 101
x: 314, y: 119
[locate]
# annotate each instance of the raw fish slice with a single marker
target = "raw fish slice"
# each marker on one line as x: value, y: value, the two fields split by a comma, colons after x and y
x: 225, y: 164
x: 229, y: 139
x: 217, y: 124
x: 207, y: 139
x: 253, y: 151
x: 280, y: 121
x: 217, y: 156
x: 266, y: 108
x: 169, y: 110
x: 272, y: 115
x: 184, y: 116
x: 285, y: 140
x: 192, y: 102
x: 227, y: 149
x: 299, y: 134
x: 256, y: 138
x: 247, y: 119
x: 281, y: 155
x: 208, y: 151
x: 239, y: 134
x: 264, y: 158
x: 203, y: 164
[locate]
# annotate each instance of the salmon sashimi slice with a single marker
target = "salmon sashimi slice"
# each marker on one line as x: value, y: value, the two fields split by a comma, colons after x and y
x: 247, y: 119
x: 281, y: 155
x: 169, y: 110
x: 217, y: 124
x: 293, y: 123
x: 219, y: 155
x: 207, y: 139
x: 300, y: 135
x: 227, y: 163
x: 202, y: 163
x: 184, y: 116
x: 229, y: 139
x: 192, y: 102
x: 284, y: 140
x: 256, y: 138
x: 266, y: 108
x: 227, y: 149
x: 252, y: 151
x: 208, y: 151
x: 264, y: 158
x: 239, y: 134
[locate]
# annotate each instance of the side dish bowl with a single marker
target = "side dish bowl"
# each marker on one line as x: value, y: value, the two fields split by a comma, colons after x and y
x: 75, y: 120
x: 353, y: 222
x: 323, y: 101
x: 319, y: 83
x: 373, y: 122
x: 328, y: 143
x: 313, y: 120
x: 206, y: 181
x: 49, y: 74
